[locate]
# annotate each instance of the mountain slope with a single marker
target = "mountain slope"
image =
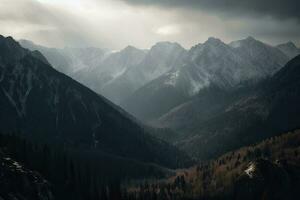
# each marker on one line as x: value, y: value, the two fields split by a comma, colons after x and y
x: 153, y: 100
x: 267, y: 59
x: 113, y: 66
x: 243, y: 116
x: 267, y: 170
x: 44, y: 104
x: 212, y: 63
x: 289, y: 49
x: 161, y: 58
x: 68, y: 60
x: 115, y: 75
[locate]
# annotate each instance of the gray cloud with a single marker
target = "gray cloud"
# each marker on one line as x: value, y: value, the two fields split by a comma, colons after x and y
x: 280, y: 9
x: 115, y: 24
x: 48, y: 25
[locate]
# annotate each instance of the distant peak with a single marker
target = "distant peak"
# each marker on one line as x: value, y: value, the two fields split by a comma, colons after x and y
x: 250, y: 38
x: 214, y: 40
x: 9, y: 38
x: 24, y: 41
x: 130, y: 48
x: 291, y: 43
x: 166, y: 45
x: 11, y: 50
x: 288, y: 44
x: 248, y: 42
x: 10, y: 42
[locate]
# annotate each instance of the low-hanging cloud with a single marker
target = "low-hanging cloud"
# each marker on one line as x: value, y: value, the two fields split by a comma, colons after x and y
x: 30, y: 19
x: 279, y: 9
x: 115, y: 24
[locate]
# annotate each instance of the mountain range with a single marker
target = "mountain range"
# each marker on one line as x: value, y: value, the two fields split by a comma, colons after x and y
x: 211, y: 63
x: 195, y: 92
x: 149, y: 83
x: 174, y: 106
x: 43, y: 104
x: 217, y: 121
x: 114, y: 74
x: 68, y: 60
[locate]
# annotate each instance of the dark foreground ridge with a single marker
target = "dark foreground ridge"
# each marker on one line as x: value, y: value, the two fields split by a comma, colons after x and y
x: 19, y: 183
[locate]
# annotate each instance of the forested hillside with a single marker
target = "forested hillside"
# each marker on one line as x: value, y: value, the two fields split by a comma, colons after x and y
x: 71, y: 173
x: 266, y: 170
x: 217, y: 120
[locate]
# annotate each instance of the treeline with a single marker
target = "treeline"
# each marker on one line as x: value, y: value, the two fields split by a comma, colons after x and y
x: 217, y: 179
x: 79, y: 175
x: 176, y: 190
x: 72, y: 176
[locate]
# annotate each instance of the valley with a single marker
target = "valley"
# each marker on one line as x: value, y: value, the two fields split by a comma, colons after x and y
x: 161, y: 123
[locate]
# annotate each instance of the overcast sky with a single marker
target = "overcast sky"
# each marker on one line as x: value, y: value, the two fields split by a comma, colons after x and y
x: 115, y: 24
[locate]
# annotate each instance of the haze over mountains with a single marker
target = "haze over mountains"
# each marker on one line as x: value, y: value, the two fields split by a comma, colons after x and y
x: 189, y: 91
x: 289, y: 49
x: 216, y: 120
x: 182, y: 104
x: 211, y: 63
x: 41, y: 103
x: 148, y: 83
x: 69, y: 60
x: 149, y: 100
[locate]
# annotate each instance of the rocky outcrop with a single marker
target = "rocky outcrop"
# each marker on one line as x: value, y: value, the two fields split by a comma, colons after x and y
x: 269, y: 181
x: 19, y: 183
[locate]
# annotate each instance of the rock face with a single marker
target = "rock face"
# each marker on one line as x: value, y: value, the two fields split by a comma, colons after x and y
x: 148, y: 83
x: 19, y: 183
x: 217, y: 121
x: 114, y: 65
x: 114, y: 74
x: 41, y: 103
x: 266, y: 180
x: 265, y: 59
x: 161, y: 58
x: 203, y: 93
x: 214, y: 63
x: 289, y: 49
